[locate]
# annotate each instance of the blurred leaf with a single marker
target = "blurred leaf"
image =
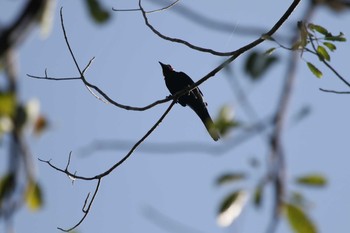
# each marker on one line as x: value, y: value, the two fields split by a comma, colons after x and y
x: 21, y: 117
x: 46, y: 16
x: 33, y: 196
x: 257, y: 64
x: 299, y: 199
x: 322, y: 52
x: 225, y: 121
x: 330, y: 46
x: 7, y: 104
x: 314, y: 70
x: 40, y: 125
x: 269, y: 51
x: 230, y: 178
x: 7, y: 184
x: 231, y: 207
x: 302, y: 113
x: 319, y: 29
x: 99, y: 14
x: 258, y: 196
x: 298, y: 220
x: 315, y: 180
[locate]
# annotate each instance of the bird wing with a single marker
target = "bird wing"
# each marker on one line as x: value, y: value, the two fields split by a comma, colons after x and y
x: 186, y: 79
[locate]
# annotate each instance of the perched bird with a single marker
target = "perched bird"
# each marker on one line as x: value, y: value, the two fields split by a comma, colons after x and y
x: 177, y: 81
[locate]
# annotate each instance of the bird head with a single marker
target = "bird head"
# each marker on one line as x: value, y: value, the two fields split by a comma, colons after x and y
x: 166, y: 68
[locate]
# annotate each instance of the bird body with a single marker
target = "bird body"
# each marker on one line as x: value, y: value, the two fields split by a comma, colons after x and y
x: 177, y: 81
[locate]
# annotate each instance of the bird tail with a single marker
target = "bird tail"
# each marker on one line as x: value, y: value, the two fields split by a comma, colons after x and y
x: 208, y: 122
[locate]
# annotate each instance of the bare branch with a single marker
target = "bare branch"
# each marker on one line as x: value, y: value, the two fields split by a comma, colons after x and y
x: 147, y: 12
x: 335, y: 92
x: 105, y: 173
x: 86, y: 212
x: 206, y: 50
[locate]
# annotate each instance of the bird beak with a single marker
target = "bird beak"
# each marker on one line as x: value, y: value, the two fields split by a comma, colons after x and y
x: 161, y: 64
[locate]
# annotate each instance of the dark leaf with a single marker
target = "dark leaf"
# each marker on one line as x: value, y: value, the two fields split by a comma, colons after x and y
x: 230, y: 177
x: 7, y: 184
x: 99, y: 14
x: 258, y: 63
x: 298, y: 220
x: 258, y: 196
x: 231, y: 207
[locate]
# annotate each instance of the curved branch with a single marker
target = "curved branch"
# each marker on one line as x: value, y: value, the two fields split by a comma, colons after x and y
x: 206, y: 50
x: 105, y: 173
x: 85, y: 211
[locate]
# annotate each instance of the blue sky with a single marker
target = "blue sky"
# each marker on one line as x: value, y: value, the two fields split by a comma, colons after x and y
x: 179, y: 185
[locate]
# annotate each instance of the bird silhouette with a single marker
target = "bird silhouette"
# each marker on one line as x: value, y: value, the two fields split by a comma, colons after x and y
x: 177, y: 81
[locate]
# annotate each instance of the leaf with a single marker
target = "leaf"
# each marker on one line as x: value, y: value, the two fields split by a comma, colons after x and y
x: 231, y: 207
x: 314, y: 70
x: 46, y: 16
x: 315, y: 180
x: 339, y: 38
x: 258, y: 196
x: 299, y: 199
x: 40, y: 125
x: 99, y: 14
x: 269, y: 51
x: 225, y: 121
x: 258, y: 63
x: 230, y: 177
x: 298, y: 220
x: 319, y: 29
x: 330, y: 46
x: 7, y: 104
x: 322, y: 53
x: 7, y: 184
x: 33, y: 196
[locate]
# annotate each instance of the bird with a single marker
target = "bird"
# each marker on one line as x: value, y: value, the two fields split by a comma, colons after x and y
x: 177, y: 81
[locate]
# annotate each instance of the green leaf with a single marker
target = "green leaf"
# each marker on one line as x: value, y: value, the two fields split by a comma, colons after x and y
x: 315, y: 180
x: 258, y: 63
x: 322, y: 53
x: 319, y: 29
x: 269, y: 51
x: 231, y: 207
x: 33, y: 196
x: 339, y: 38
x: 330, y: 46
x: 314, y: 70
x: 7, y: 104
x: 7, y: 184
x: 99, y: 14
x: 225, y: 121
x: 230, y: 177
x: 298, y: 220
x: 258, y: 196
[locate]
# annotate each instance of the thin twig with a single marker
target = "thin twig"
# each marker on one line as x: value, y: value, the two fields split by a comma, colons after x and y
x: 147, y: 12
x: 327, y: 64
x: 335, y: 92
x: 121, y: 161
x: 86, y: 212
